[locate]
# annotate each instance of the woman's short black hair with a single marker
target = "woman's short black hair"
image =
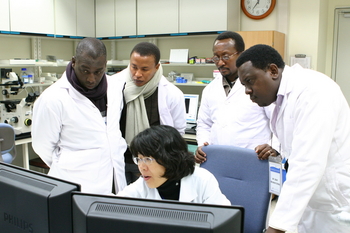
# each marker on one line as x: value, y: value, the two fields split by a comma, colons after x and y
x: 261, y: 57
x: 165, y: 144
x: 147, y: 49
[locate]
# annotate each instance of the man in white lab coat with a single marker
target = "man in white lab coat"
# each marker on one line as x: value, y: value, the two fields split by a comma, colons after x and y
x: 150, y: 99
x: 74, y: 131
x: 226, y: 114
x: 312, y: 122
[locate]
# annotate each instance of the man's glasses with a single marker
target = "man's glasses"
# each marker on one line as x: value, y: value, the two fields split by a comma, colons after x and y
x: 224, y: 58
x: 146, y: 160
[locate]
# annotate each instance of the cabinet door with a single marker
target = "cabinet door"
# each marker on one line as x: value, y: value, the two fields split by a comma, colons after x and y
x: 86, y: 18
x: 273, y: 38
x: 35, y: 16
x: 125, y: 17
x: 65, y: 17
x: 157, y: 17
x: 105, y: 19
x: 203, y: 15
x: 5, y: 15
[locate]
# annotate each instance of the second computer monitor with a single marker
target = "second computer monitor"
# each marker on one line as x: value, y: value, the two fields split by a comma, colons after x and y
x: 191, y: 103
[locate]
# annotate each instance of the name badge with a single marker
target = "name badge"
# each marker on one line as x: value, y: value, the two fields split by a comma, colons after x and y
x: 275, y: 175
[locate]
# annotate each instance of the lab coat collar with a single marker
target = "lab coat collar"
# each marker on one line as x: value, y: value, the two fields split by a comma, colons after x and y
x: 187, y: 192
x: 72, y: 91
x: 284, y: 89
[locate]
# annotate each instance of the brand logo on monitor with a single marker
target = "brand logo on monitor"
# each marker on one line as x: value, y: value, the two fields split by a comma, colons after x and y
x: 20, y: 223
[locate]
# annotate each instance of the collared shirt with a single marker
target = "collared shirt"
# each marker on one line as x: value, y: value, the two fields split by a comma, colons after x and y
x: 227, y: 86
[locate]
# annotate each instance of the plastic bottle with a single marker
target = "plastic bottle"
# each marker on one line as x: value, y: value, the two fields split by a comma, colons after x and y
x: 24, y: 75
x: 30, y: 78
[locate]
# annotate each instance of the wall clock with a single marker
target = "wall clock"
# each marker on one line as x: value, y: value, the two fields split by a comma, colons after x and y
x: 257, y: 9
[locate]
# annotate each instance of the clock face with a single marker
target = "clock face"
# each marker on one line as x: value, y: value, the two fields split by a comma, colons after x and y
x: 258, y: 9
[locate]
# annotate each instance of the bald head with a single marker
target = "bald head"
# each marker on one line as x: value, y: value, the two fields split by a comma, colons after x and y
x: 90, y: 47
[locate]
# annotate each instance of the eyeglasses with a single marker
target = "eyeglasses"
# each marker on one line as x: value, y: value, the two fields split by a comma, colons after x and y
x: 146, y: 160
x: 224, y: 58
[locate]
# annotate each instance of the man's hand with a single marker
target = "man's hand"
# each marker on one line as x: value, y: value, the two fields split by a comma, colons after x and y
x: 272, y: 230
x: 200, y: 156
x: 264, y: 151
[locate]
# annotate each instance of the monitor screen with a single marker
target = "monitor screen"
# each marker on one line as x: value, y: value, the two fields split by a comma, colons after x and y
x: 34, y: 202
x: 98, y: 213
x: 191, y: 103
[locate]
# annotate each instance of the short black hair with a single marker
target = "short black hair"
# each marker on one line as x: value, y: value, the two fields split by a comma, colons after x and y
x: 92, y: 47
x: 166, y: 145
x: 261, y: 56
x: 239, y: 42
x: 147, y: 49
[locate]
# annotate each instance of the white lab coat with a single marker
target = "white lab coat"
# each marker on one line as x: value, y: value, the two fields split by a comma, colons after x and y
x: 233, y: 119
x: 200, y: 187
x: 72, y: 138
x: 171, y: 103
x: 313, y: 126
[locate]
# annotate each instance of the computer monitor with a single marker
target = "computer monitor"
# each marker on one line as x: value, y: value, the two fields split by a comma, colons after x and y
x: 98, y: 213
x: 191, y: 103
x: 34, y: 202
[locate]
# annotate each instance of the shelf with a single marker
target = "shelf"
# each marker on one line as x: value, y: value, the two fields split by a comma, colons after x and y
x: 194, y: 83
x: 189, y: 65
x: 36, y: 84
x: 118, y: 63
x: 125, y: 63
x: 6, y: 64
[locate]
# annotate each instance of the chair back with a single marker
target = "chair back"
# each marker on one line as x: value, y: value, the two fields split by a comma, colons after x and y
x: 7, y: 143
x: 244, y: 179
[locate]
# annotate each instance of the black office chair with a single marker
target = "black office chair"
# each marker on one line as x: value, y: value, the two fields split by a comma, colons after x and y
x: 7, y: 143
x: 244, y: 179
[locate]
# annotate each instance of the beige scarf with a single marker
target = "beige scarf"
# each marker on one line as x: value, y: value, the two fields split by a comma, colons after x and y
x: 136, y: 114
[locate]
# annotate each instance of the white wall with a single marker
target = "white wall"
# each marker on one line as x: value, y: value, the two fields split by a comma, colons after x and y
x: 332, y: 4
x: 308, y: 26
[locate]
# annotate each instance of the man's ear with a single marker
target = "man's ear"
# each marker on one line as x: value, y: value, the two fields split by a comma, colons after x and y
x: 274, y: 71
x: 73, y: 61
x: 157, y: 66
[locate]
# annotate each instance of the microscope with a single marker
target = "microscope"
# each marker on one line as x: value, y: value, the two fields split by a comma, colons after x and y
x: 17, y: 112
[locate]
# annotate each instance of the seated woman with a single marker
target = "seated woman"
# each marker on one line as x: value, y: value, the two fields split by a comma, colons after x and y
x: 168, y: 170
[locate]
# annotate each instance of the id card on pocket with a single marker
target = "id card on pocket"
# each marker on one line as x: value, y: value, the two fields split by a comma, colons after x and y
x: 275, y: 175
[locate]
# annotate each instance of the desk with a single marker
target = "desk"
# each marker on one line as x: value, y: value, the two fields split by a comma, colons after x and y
x: 24, y: 142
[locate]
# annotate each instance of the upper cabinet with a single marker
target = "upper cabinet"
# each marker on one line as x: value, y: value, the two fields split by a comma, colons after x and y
x: 54, y: 17
x: 115, y: 18
x: 119, y: 18
x: 208, y: 15
x: 85, y: 18
x: 157, y: 17
x: 125, y: 18
x: 5, y: 15
x: 34, y: 16
x: 105, y: 18
x: 65, y: 17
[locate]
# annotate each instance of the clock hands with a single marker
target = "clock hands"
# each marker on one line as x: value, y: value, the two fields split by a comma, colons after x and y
x: 256, y: 4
